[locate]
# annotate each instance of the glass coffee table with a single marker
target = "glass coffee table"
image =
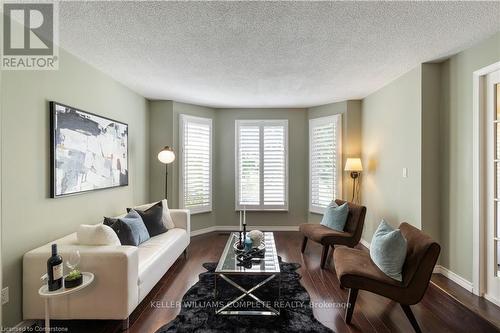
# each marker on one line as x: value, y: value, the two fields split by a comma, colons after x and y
x: 262, y: 272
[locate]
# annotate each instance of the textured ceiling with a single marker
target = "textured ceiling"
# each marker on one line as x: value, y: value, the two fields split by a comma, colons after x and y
x: 267, y: 54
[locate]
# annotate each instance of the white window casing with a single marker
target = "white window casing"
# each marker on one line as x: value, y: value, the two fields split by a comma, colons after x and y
x: 325, y: 162
x: 195, y: 181
x: 261, y: 164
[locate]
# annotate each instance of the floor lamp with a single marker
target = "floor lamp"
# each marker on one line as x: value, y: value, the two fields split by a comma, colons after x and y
x: 354, y: 166
x: 166, y: 156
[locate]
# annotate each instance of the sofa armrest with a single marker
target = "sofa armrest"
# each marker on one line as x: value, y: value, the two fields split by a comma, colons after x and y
x: 113, y: 294
x: 181, y: 219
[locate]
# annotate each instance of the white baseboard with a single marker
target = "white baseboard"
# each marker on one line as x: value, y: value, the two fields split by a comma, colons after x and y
x: 235, y: 228
x: 492, y: 299
x: 365, y: 243
x: 202, y: 231
x: 467, y: 285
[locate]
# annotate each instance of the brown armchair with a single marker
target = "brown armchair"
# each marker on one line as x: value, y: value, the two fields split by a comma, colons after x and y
x: 329, y: 237
x: 356, y: 270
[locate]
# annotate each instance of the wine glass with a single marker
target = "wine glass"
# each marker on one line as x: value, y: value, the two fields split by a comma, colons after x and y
x: 73, y: 260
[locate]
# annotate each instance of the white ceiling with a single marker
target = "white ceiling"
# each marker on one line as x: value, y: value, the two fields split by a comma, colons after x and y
x: 267, y: 54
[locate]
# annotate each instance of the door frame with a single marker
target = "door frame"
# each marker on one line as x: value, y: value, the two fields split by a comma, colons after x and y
x: 1, y: 173
x: 479, y: 204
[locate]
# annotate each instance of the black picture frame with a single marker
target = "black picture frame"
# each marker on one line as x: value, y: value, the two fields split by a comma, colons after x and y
x: 54, y: 193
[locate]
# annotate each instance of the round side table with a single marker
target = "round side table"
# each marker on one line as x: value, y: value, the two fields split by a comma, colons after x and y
x: 47, y: 295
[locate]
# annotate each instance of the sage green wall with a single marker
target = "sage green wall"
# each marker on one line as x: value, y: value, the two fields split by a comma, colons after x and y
x: 164, y: 130
x: 391, y: 140
x: 351, y: 140
x: 456, y: 157
x: 352, y: 136
x: 423, y: 121
x: 160, y: 135
x: 29, y: 217
x: 297, y: 165
x: 326, y: 110
x: 431, y: 150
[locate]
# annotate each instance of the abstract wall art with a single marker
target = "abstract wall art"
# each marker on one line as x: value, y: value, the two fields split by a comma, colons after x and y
x: 88, y: 152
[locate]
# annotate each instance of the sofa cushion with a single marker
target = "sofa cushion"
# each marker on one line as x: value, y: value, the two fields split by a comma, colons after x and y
x: 98, y: 234
x: 166, y: 216
x: 129, y: 229
x: 152, y: 218
x: 160, y: 249
x: 388, y: 250
x: 335, y: 216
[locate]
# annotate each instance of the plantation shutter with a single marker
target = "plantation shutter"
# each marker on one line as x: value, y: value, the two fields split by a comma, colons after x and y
x: 274, y: 165
x: 249, y: 165
x: 262, y: 172
x: 196, y: 170
x: 324, y: 159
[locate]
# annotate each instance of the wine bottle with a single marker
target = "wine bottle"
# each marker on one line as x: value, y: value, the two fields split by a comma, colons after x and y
x: 55, y: 270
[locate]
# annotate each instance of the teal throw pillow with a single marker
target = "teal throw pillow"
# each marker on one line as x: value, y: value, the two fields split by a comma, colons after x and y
x: 335, y: 216
x: 388, y: 250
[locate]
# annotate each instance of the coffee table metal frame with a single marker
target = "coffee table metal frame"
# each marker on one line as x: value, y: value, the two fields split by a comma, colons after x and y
x: 270, y: 273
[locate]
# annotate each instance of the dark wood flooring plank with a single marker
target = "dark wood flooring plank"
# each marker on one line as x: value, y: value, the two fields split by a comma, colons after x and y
x: 437, y: 312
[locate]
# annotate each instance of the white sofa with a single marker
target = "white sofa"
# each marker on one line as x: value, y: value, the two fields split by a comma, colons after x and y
x: 124, y: 275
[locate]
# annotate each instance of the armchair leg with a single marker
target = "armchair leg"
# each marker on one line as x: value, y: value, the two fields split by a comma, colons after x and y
x: 185, y: 253
x: 353, y: 294
x: 411, y: 317
x: 304, y: 243
x: 324, y: 255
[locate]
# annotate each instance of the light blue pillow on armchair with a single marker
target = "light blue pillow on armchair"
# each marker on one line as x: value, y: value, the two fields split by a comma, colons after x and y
x: 388, y: 250
x: 335, y: 216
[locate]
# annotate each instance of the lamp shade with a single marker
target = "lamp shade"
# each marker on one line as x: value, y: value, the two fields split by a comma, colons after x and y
x: 353, y: 164
x: 167, y: 155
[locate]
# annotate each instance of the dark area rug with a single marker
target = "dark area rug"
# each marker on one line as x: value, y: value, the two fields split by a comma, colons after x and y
x: 296, y: 314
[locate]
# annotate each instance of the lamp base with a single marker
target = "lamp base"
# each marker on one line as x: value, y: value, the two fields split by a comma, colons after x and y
x: 354, y: 176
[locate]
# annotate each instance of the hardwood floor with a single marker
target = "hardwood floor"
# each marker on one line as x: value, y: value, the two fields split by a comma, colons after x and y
x: 478, y: 305
x: 437, y: 312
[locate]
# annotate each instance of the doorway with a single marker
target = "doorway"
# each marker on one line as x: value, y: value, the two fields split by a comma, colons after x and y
x: 486, y: 183
x: 492, y: 199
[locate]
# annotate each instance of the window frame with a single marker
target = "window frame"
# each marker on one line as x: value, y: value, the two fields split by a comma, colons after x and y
x: 261, y: 123
x: 313, y: 122
x: 183, y: 118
